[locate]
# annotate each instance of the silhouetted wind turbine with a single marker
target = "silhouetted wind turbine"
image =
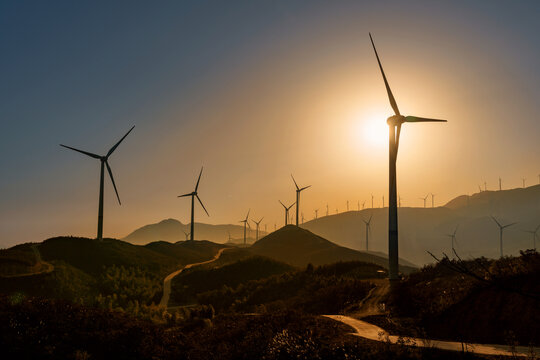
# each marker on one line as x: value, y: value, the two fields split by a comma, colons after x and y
x: 523, y: 179
x: 394, y: 123
x: 257, y: 224
x: 347, y: 205
x: 453, y: 237
x: 432, y: 200
x: 187, y: 235
x: 327, y: 209
x: 298, y: 190
x: 372, y: 201
x: 383, y: 201
x: 534, y: 233
x: 425, y: 198
x: 104, y: 162
x: 363, y: 204
x: 316, y: 213
x: 501, y: 228
x: 368, y: 229
x: 287, y: 208
x: 246, y: 222
x: 194, y: 195
x: 500, y: 184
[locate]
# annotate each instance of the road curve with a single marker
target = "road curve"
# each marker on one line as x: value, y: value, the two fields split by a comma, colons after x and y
x: 372, y: 332
x: 167, y: 282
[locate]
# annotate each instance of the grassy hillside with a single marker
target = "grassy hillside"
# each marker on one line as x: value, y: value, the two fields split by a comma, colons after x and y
x: 187, y: 285
x: 327, y: 289
x: 109, y: 273
x: 299, y: 247
x: 447, y: 304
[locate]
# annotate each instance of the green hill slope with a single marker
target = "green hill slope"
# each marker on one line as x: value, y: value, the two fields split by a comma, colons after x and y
x: 299, y: 247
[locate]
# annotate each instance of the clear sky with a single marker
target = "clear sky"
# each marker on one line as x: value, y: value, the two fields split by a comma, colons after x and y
x: 255, y: 91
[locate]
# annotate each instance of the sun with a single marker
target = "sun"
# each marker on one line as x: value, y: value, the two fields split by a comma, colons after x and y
x: 374, y: 130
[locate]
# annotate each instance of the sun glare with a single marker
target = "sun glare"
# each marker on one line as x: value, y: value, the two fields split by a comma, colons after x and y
x: 375, y: 130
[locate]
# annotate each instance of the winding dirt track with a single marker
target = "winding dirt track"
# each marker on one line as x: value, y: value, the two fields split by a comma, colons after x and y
x: 167, y: 282
x: 372, y: 332
x: 371, y: 305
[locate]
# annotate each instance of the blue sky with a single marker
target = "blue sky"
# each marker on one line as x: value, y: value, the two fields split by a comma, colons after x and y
x: 254, y: 91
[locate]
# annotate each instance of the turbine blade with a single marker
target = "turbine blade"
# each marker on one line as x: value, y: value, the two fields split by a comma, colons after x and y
x: 198, y: 180
x: 112, y: 179
x: 82, y: 152
x: 200, y: 202
x: 190, y: 194
x: 282, y: 204
x: 247, y: 216
x: 421, y: 119
x: 505, y: 226
x: 305, y: 187
x: 297, y: 188
x: 118, y: 143
x: 261, y: 219
x: 496, y: 221
x: 390, y: 95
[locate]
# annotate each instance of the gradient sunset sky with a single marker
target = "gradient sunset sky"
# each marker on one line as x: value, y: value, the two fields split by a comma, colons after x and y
x: 255, y: 91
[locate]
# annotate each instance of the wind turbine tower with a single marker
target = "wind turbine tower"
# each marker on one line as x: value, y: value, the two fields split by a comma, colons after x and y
x: 316, y: 213
x: 298, y: 191
x: 453, y: 237
x: 287, y: 208
x: 194, y: 195
x: 501, y: 228
x: 424, y: 198
x: 368, y: 230
x: 432, y: 200
x: 394, y: 124
x: 257, y: 224
x: 246, y: 223
x: 104, y: 163
x: 500, y: 184
x: 523, y: 179
x: 534, y: 234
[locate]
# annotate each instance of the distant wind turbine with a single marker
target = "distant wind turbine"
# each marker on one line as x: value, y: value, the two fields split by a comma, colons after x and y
x: 424, y: 198
x: 485, y: 186
x: 187, y: 235
x: 298, y: 191
x: 363, y: 205
x: 501, y: 228
x: 194, y: 195
x: 534, y: 234
x: 257, y: 224
x: 432, y: 200
x: 104, y: 163
x: 500, y: 184
x: 523, y: 179
x: 316, y: 213
x: 358, y: 205
x: 394, y: 123
x: 368, y: 230
x: 372, y: 201
x: 383, y: 201
x: 453, y: 237
x: 326, y: 209
x: 246, y: 223
x: 287, y: 208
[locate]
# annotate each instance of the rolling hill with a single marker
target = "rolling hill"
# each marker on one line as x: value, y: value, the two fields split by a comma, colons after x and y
x: 172, y: 230
x: 426, y: 229
x: 299, y: 247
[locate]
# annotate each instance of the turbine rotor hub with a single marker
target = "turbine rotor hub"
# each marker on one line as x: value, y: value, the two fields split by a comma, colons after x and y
x: 395, y: 120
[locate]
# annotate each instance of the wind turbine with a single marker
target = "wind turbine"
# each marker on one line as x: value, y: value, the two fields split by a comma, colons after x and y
x: 287, y: 208
x: 358, y: 205
x: 500, y: 184
x: 394, y: 124
x: 432, y: 200
x: 501, y: 228
x: 302, y: 215
x: 424, y: 198
x: 316, y: 213
x: 534, y: 235
x: 453, y: 237
x: 347, y: 205
x: 523, y: 179
x: 363, y: 204
x: 368, y: 229
x: 246, y: 222
x: 187, y: 235
x: 372, y: 201
x: 194, y: 195
x: 104, y: 162
x: 298, y: 190
x: 326, y: 209
x: 383, y: 201
x: 257, y: 224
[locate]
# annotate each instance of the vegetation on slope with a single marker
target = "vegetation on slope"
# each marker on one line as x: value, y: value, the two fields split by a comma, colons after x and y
x: 500, y: 305
x: 327, y: 289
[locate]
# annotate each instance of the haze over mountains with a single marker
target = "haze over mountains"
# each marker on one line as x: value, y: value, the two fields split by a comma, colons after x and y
x: 172, y: 230
x: 426, y: 229
x: 421, y: 229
